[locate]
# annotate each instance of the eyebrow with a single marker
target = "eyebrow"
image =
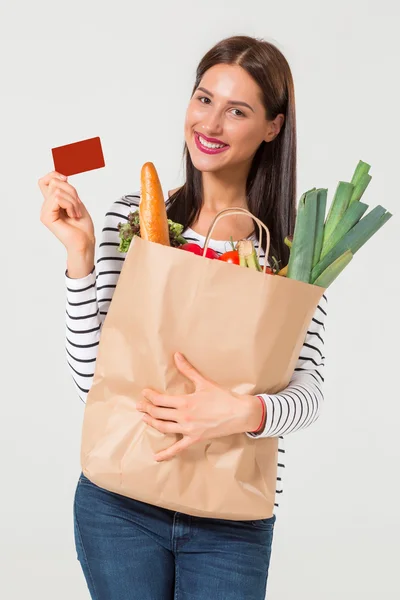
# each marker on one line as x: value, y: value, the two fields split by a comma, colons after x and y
x: 237, y: 102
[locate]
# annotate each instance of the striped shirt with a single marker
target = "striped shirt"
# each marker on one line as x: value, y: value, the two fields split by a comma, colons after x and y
x: 87, y: 302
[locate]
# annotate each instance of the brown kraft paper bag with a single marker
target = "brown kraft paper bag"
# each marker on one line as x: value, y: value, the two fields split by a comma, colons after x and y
x: 242, y: 328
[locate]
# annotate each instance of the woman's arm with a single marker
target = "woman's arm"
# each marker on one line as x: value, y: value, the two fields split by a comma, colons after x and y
x: 88, y: 297
x: 299, y: 404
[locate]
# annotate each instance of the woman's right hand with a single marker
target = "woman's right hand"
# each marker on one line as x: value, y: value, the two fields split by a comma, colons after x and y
x: 65, y: 215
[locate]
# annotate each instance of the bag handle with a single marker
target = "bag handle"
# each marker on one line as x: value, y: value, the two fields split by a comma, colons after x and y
x: 240, y: 211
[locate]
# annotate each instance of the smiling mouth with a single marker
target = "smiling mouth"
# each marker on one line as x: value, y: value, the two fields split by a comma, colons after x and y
x: 208, y: 147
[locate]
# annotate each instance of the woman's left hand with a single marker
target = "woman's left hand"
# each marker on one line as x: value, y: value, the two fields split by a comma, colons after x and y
x: 209, y: 412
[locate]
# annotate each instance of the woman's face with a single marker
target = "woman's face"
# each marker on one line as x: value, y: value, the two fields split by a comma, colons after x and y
x: 226, y: 109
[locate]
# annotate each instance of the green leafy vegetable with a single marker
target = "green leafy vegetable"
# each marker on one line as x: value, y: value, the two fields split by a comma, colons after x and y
x: 132, y: 227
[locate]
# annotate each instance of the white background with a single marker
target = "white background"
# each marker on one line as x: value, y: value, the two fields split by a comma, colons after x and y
x: 124, y: 71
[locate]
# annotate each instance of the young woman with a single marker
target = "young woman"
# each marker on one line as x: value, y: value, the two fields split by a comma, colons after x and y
x: 240, y: 150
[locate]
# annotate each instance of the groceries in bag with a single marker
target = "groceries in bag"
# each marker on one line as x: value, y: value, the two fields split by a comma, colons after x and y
x: 320, y: 248
x: 150, y: 221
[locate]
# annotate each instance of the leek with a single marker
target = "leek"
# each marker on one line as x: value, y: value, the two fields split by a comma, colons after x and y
x: 338, y: 207
x: 360, y: 188
x: 302, y: 251
x: 354, y: 239
x: 325, y: 279
x: 360, y: 170
x: 319, y: 225
x: 352, y: 215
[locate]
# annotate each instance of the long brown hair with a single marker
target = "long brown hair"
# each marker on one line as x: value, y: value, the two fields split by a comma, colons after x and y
x: 271, y: 183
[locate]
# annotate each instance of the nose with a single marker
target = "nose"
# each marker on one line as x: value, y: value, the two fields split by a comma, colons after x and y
x: 212, y: 124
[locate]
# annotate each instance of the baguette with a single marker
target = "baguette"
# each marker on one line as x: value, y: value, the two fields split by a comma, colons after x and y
x: 152, y: 211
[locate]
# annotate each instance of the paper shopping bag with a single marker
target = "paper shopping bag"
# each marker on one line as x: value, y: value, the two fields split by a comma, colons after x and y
x: 242, y: 328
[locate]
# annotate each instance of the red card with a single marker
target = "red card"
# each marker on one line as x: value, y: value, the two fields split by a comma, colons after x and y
x: 78, y: 157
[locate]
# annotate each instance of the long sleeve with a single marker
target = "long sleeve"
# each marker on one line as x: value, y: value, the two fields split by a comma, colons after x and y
x: 88, y: 298
x: 299, y: 404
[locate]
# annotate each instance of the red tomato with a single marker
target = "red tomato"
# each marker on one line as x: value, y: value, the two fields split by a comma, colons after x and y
x: 196, y: 249
x: 269, y: 270
x: 231, y: 257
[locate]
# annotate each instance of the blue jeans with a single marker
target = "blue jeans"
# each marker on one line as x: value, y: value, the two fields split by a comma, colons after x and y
x: 130, y: 550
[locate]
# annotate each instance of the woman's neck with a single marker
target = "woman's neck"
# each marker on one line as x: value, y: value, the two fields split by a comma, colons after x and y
x: 223, y: 192
x: 219, y: 193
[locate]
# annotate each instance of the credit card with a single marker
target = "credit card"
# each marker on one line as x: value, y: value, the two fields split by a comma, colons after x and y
x: 78, y: 157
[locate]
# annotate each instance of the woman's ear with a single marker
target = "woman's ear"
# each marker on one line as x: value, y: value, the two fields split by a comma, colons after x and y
x: 274, y: 128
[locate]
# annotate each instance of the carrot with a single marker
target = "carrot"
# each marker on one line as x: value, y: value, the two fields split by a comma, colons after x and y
x: 152, y: 212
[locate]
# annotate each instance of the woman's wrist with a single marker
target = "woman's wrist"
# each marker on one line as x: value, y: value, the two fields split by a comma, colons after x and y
x: 80, y: 263
x: 255, y: 414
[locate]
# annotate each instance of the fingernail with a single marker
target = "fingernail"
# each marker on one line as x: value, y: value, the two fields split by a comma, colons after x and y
x: 179, y: 356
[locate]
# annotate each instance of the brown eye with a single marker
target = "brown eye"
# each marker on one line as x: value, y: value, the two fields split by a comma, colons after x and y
x: 239, y: 111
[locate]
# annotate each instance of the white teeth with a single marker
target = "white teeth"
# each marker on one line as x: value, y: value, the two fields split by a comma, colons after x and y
x: 208, y: 145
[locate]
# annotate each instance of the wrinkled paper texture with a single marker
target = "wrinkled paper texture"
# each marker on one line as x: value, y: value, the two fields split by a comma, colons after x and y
x: 242, y: 328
